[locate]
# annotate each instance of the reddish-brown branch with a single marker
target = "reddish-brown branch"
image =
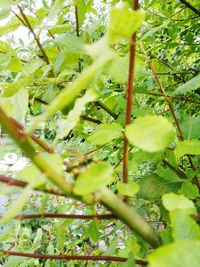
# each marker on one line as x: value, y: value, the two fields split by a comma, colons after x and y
x: 66, y: 216
x: 13, y: 182
x: 33, y: 137
x: 130, y: 91
x: 69, y: 257
x: 104, y: 107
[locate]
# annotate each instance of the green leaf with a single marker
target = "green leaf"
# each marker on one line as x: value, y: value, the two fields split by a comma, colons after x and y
x: 15, y: 209
x: 167, y: 174
x: 191, y: 85
x: 10, y: 26
x: 74, y: 115
x: 128, y: 189
x: 191, y: 147
x: 93, y: 231
x: 172, y: 202
x: 179, y: 254
x: 105, y: 133
x: 153, y: 187
x: 37, y: 239
x: 56, y: 7
x: 190, y: 127
x: 183, y: 226
x: 189, y: 190
x: 16, y: 106
x: 151, y: 133
x: 130, y: 262
x: 97, y: 175
x: 123, y: 22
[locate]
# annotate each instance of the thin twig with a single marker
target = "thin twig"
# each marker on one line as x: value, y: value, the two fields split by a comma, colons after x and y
x: 129, y: 98
x: 34, y: 138
x: 191, y: 7
x: 69, y: 257
x: 104, y: 107
x: 46, y: 59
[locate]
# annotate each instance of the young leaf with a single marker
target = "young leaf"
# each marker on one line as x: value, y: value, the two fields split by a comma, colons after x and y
x: 123, y: 22
x: 172, y: 202
x: 187, y: 147
x: 129, y: 189
x: 97, y: 175
x: 151, y: 133
x: 183, y: 253
x: 75, y: 113
x: 105, y: 133
x: 183, y: 226
x: 191, y: 85
x: 167, y: 174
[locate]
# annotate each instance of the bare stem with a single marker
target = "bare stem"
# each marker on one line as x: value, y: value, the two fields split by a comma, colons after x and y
x: 191, y: 7
x: 129, y: 98
x: 69, y: 257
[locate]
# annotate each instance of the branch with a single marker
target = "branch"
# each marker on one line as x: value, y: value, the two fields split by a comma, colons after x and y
x: 21, y: 139
x: 86, y: 118
x: 195, y: 10
x: 104, y: 107
x: 33, y: 137
x: 70, y: 257
x: 105, y: 196
x: 13, y: 182
x: 28, y: 25
x: 182, y: 98
x: 77, y: 32
x: 130, y: 91
x: 66, y: 216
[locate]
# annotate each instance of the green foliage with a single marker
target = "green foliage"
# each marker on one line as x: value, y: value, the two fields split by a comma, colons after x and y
x: 150, y: 133
x: 64, y: 72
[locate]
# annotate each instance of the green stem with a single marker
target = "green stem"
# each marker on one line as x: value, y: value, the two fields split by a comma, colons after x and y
x: 129, y: 217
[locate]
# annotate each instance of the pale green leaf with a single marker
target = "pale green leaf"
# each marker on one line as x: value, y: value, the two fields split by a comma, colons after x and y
x: 123, y: 22
x: 187, y: 147
x: 16, y: 208
x: 172, y: 202
x: 191, y: 85
x: 183, y: 253
x: 74, y: 115
x: 94, y: 177
x: 183, y: 226
x: 37, y: 239
x: 189, y: 190
x: 10, y: 26
x: 128, y: 189
x: 105, y: 133
x: 151, y: 133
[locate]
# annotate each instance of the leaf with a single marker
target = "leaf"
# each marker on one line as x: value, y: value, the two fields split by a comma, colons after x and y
x: 10, y: 26
x: 191, y: 147
x: 151, y: 133
x: 37, y: 239
x: 128, y: 189
x: 191, y: 85
x: 93, y: 231
x: 183, y: 226
x: 153, y: 187
x: 55, y: 8
x: 74, y: 115
x: 167, y: 174
x: 68, y: 94
x: 123, y: 22
x: 105, y: 133
x: 172, y: 202
x: 15, y: 209
x: 97, y: 175
x: 153, y: 31
x: 189, y: 190
x: 190, y: 127
x: 178, y: 254
x: 130, y: 262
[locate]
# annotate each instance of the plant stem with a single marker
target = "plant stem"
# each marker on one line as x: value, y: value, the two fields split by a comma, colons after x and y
x: 69, y: 257
x: 22, y: 141
x: 129, y: 98
x: 27, y: 23
x: 195, y: 10
x: 77, y: 32
x: 129, y: 216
